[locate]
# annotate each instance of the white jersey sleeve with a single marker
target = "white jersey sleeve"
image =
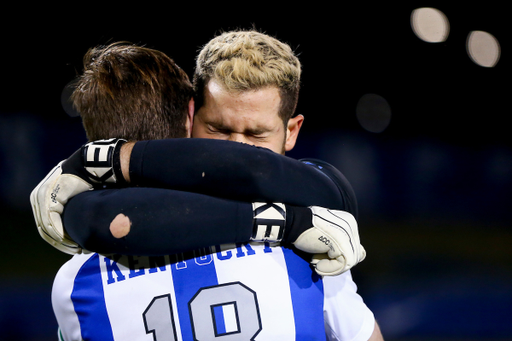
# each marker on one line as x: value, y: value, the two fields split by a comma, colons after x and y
x: 233, y: 292
x: 67, y: 319
x: 346, y: 315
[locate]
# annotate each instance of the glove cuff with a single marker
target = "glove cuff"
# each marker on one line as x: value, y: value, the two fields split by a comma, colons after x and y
x: 116, y: 164
x: 298, y: 220
x: 102, y: 162
x: 268, y: 222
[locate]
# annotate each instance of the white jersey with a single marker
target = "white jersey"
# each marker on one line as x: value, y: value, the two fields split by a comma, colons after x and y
x: 236, y: 292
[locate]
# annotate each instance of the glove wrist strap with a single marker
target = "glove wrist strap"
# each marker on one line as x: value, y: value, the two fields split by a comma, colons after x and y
x: 269, y: 221
x: 101, y: 160
x: 298, y: 220
x: 116, y: 164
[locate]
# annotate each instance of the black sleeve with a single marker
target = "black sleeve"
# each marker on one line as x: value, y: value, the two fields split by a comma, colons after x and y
x: 165, y: 221
x: 348, y: 196
x: 185, y: 218
x: 236, y: 171
x: 162, y: 221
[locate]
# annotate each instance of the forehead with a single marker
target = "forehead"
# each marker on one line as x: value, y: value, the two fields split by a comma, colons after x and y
x: 252, y: 107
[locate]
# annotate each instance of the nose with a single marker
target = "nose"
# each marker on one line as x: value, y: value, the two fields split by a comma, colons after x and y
x: 238, y: 138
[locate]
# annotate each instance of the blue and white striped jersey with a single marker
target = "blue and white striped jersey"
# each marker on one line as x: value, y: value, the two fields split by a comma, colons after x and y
x: 231, y: 292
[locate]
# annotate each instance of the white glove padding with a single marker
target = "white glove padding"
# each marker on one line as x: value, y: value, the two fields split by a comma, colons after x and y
x: 48, y: 200
x: 96, y: 163
x: 334, y: 239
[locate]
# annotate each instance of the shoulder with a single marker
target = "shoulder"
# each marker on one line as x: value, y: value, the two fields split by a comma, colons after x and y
x: 62, y: 303
x: 70, y: 270
x: 343, y: 185
x: 346, y: 314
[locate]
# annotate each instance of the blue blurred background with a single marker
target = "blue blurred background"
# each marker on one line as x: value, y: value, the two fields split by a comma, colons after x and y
x: 418, y: 127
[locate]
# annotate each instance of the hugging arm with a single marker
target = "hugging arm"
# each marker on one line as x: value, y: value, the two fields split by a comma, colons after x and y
x: 225, y: 169
x: 152, y: 221
x: 239, y: 171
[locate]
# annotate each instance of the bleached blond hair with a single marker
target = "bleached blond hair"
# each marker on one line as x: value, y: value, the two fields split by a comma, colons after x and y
x: 249, y: 60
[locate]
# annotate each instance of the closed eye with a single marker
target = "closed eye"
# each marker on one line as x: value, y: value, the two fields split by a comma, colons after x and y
x: 217, y: 130
x: 260, y: 136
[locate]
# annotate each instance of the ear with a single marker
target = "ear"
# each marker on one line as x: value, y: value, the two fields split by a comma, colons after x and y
x: 292, y: 131
x: 190, y: 118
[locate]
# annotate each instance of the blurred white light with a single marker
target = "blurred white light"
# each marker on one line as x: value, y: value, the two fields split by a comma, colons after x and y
x: 373, y: 113
x: 430, y: 24
x: 483, y: 48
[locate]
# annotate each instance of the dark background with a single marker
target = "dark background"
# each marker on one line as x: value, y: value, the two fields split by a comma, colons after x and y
x: 433, y: 188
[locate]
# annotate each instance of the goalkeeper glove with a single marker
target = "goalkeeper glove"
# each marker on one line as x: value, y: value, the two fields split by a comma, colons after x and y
x: 334, y: 241
x: 94, y: 164
x: 330, y: 235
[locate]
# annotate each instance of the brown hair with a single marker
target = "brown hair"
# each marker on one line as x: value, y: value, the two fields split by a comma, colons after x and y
x: 132, y: 92
x: 249, y: 60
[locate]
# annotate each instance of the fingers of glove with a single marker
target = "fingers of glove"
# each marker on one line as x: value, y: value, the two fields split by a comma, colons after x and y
x: 54, y: 226
x: 318, y: 257
x: 362, y: 254
x: 341, y: 227
x: 352, y: 260
x: 49, y: 197
x: 47, y: 209
x: 35, y: 207
x: 65, y: 245
x: 57, y: 195
x: 330, y: 267
x: 68, y: 185
x: 65, y: 187
x: 312, y: 241
x: 39, y: 198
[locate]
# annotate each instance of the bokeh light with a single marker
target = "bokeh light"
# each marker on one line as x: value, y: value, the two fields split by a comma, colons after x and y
x: 373, y: 113
x: 430, y: 24
x: 65, y: 99
x: 483, y: 48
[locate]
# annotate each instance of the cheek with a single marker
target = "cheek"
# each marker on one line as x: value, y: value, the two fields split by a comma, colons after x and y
x: 198, y: 129
x: 276, y: 143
